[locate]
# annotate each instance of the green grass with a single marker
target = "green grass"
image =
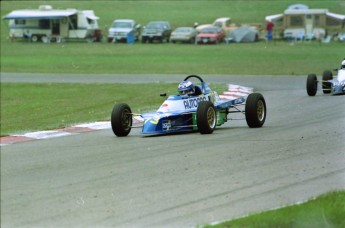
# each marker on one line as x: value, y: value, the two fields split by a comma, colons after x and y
x: 103, y: 58
x: 179, y: 12
x: 278, y: 58
x: 325, y: 211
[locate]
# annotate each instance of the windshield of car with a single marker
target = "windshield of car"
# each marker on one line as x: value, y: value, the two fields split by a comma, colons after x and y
x: 218, y: 24
x: 121, y: 24
x: 209, y: 30
x: 155, y: 25
x: 184, y: 30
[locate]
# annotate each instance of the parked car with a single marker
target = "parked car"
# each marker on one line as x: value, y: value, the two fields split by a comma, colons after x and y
x: 156, y: 30
x: 183, y: 34
x: 210, y: 34
x: 224, y: 23
x: 121, y: 28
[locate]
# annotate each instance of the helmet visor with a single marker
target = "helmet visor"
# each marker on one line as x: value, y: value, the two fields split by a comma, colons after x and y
x: 184, y: 92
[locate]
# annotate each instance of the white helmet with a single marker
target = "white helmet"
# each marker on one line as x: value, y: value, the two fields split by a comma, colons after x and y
x: 343, y: 64
x: 186, y: 88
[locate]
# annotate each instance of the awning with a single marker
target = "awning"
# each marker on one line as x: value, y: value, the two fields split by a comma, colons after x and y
x: 92, y: 17
x: 337, y: 16
x: 39, y: 14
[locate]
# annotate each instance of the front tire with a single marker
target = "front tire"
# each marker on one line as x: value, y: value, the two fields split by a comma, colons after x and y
x: 206, y: 117
x: 311, y: 84
x: 326, y: 86
x: 255, y: 110
x: 34, y: 38
x: 121, y: 120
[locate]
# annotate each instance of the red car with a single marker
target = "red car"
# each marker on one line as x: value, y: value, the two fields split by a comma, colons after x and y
x: 210, y: 34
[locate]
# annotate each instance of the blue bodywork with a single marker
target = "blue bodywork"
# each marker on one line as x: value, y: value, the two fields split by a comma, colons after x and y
x: 178, y: 113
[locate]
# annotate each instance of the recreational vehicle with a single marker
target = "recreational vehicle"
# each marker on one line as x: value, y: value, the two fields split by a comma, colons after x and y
x: 304, y: 23
x: 46, y: 23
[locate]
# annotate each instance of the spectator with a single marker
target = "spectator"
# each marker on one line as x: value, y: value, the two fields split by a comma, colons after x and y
x: 27, y: 35
x: 269, y: 29
x: 196, y: 24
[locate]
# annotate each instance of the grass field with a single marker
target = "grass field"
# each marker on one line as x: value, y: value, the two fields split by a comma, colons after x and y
x: 276, y: 58
x: 325, y: 211
x: 279, y: 58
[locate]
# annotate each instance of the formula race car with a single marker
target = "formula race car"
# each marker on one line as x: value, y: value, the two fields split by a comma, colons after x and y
x: 199, y: 109
x: 333, y: 85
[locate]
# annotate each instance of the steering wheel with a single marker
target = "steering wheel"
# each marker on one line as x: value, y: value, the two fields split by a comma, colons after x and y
x: 194, y: 76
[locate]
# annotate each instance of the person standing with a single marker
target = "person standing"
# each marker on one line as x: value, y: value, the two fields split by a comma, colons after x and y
x: 269, y: 30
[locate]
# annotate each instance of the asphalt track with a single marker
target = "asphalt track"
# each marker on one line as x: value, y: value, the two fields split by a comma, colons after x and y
x: 95, y: 179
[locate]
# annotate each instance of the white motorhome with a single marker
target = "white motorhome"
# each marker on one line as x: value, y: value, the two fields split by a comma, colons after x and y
x: 46, y: 23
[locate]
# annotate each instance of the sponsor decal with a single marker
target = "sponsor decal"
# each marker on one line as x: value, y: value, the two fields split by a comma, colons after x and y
x: 193, y: 102
x: 154, y: 120
x: 166, y: 125
x: 339, y: 84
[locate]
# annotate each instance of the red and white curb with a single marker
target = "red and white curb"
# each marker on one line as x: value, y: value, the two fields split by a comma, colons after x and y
x: 77, y: 129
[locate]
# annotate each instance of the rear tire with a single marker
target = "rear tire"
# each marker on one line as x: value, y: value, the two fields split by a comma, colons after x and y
x: 206, y: 117
x: 311, y: 84
x: 326, y: 86
x: 255, y: 110
x: 121, y: 120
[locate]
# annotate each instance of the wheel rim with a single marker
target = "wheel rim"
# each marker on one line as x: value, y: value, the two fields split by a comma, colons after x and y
x: 34, y: 38
x: 260, y: 110
x: 211, y: 117
x: 126, y: 119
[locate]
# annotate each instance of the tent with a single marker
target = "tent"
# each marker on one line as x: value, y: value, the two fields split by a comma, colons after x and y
x: 244, y: 34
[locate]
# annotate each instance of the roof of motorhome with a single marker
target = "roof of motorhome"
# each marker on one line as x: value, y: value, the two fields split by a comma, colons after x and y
x: 47, y: 14
x: 305, y: 11
x: 39, y: 14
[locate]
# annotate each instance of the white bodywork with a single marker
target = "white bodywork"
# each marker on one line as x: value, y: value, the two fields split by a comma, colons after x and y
x: 341, y: 75
x: 176, y: 104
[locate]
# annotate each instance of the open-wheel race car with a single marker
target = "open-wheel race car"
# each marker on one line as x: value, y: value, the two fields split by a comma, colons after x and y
x: 195, y: 108
x: 334, y: 85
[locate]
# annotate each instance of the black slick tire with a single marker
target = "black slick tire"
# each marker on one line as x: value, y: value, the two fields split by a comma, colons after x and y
x: 206, y: 117
x: 121, y: 119
x: 255, y: 110
x: 311, y: 84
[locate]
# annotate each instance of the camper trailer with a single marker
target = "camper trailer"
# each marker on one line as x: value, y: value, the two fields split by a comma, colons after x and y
x: 45, y: 24
x: 307, y: 23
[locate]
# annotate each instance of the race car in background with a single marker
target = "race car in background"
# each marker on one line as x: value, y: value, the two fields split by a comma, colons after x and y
x: 202, y: 112
x: 330, y: 84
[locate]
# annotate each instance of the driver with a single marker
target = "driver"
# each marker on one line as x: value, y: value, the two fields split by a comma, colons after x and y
x: 186, y: 88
